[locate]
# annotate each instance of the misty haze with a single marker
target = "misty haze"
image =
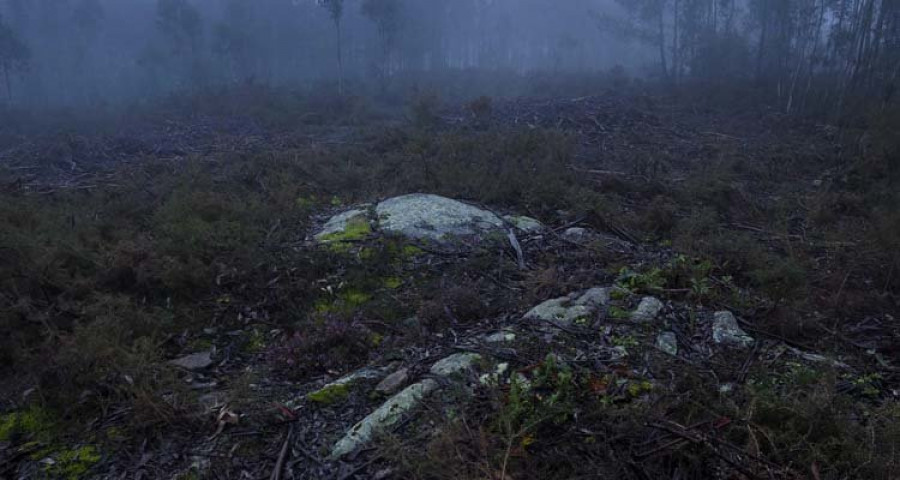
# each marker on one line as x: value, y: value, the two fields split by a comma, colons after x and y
x: 450, y: 239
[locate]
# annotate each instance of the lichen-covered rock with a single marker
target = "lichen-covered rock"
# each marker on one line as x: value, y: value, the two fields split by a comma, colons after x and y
x: 455, y: 364
x: 387, y: 415
x: 726, y: 331
x: 668, y: 343
x: 525, y: 224
x: 432, y: 217
x: 350, y: 225
x: 647, y: 310
x: 401, y: 404
x: 566, y: 310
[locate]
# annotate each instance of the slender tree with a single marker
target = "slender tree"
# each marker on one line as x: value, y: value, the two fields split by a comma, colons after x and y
x: 647, y: 23
x: 14, y: 55
x: 385, y: 14
x: 233, y: 39
x: 335, y: 10
x: 181, y: 25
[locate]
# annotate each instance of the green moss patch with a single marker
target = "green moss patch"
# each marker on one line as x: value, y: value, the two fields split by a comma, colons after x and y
x: 357, y: 229
x: 27, y: 423
x: 330, y: 394
x: 73, y: 464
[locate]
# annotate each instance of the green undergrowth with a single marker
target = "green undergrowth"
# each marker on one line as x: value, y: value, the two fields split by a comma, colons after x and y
x: 98, y: 285
x: 555, y: 420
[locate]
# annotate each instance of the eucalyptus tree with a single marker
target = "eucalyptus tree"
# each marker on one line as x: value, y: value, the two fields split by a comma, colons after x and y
x: 335, y: 10
x: 14, y: 56
x: 646, y: 23
x: 385, y: 14
x: 181, y: 25
x: 233, y: 39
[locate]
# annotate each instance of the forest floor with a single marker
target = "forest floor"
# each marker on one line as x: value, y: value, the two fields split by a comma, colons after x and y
x: 188, y: 231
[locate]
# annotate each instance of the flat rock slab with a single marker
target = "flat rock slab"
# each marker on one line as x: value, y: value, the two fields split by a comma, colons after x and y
x: 432, y: 217
x: 386, y: 416
x: 401, y: 404
x: 566, y: 310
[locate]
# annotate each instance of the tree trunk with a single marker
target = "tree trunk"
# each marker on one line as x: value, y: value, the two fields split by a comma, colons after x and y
x: 662, y: 41
x: 763, y: 38
x: 676, y: 54
x: 340, y: 58
x: 8, y: 82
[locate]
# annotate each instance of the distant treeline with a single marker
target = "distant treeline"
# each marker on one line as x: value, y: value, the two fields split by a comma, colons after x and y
x: 808, y: 55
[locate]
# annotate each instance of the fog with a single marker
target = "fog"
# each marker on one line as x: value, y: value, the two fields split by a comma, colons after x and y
x: 108, y: 51
x: 803, y: 54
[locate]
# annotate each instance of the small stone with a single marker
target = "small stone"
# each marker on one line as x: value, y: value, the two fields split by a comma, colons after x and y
x: 455, y: 364
x: 194, y: 361
x: 566, y: 310
x: 647, y: 310
x: 618, y: 353
x: 412, y: 323
x: 727, y: 332
x: 500, y: 337
x: 493, y: 379
x: 577, y: 235
x: 668, y: 343
x: 383, y: 474
x: 393, y: 382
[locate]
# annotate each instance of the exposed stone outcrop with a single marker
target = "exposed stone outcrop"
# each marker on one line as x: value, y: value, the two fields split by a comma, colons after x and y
x: 421, y: 216
x: 401, y: 404
x: 432, y: 217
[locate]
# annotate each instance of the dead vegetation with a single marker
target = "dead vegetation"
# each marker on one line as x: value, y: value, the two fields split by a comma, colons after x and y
x: 120, y: 252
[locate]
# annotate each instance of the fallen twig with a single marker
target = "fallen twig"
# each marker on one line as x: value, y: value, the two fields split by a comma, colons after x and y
x: 279, y: 464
